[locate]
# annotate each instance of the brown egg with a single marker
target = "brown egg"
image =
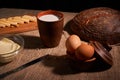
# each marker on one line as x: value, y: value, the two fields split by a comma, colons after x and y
x: 84, y: 52
x: 72, y: 43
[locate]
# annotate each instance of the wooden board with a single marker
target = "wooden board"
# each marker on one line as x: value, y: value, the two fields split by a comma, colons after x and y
x: 21, y: 28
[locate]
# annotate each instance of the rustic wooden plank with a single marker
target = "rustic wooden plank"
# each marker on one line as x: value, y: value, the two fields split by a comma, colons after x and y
x: 21, y: 28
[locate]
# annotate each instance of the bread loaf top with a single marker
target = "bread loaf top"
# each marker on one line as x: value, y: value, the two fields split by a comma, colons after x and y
x: 101, y: 24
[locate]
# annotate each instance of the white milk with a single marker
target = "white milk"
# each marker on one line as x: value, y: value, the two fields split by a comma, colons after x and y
x: 49, y: 18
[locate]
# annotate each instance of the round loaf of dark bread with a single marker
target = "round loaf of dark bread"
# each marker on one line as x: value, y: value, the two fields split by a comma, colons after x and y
x: 98, y: 24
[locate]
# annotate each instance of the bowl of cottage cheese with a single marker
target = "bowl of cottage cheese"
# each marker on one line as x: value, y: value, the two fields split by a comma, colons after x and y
x: 10, y: 46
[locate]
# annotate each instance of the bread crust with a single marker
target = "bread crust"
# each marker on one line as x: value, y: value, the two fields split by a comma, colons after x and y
x: 99, y: 24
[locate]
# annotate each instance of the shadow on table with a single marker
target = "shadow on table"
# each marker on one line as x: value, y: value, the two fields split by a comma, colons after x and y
x: 67, y: 27
x: 63, y: 65
x: 3, y: 75
x: 32, y: 42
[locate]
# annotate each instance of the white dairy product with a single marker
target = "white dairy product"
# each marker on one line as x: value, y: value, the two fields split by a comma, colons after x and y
x: 7, y: 49
x: 7, y: 46
x: 49, y: 18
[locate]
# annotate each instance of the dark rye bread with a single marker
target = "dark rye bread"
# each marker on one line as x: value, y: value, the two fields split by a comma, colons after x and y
x: 100, y: 24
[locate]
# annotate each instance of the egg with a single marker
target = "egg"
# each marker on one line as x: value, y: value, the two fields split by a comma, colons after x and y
x: 72, y: 43
x: 84, y: 52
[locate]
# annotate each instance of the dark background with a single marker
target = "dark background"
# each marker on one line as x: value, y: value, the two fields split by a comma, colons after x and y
x: 62, y: 5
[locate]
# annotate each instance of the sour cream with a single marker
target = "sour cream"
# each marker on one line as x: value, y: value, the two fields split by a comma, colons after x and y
x: 8, y: 49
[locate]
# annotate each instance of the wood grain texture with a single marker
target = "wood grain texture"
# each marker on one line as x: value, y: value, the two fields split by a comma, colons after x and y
x: 30, y: 65
x: 21, y: 28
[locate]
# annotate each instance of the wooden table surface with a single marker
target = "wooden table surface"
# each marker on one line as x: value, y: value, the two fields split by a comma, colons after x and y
x: 34, y: 63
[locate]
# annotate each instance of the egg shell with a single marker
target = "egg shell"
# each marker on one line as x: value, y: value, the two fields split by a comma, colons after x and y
x: 72, y: 43
x: 84, y: 52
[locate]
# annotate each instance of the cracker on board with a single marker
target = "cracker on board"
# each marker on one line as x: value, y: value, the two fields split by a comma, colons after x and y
x: 16, y: 20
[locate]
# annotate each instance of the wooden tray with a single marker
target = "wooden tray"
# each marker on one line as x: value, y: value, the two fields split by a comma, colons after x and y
x: 21, y: 28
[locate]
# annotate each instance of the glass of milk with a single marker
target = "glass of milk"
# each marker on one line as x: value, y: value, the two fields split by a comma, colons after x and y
x: 50, y: 25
